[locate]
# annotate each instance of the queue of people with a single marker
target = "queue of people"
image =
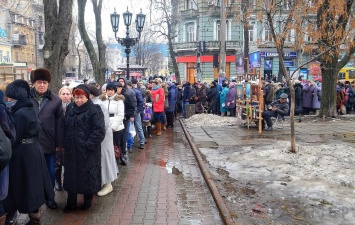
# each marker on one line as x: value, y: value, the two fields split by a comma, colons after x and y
x: 86, y: 130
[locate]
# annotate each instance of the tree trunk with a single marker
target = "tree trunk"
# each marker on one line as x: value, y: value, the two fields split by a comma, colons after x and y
x: 58, y: 20
x: 98, y: 63
x: 79, y: 60
x: 328, y: 98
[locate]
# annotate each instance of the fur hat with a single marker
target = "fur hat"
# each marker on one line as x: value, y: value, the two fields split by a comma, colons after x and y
x: 93, y: 90
x: 40, y: 74
x: 111, y: 85
x: 19, y: 89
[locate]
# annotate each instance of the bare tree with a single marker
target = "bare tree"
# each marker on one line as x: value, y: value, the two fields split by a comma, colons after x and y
x: 98, y: 59
x: 164, y: 26
x: 58, y: 20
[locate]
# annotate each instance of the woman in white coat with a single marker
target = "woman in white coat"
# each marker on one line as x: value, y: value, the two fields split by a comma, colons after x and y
x: 109, y: 169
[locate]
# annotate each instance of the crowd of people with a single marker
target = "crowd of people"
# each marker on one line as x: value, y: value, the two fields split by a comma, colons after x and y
x: 88, y: 130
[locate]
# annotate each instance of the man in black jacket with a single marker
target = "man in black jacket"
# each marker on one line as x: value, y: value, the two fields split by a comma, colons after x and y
x: 130, y: 111
x: 276, y: 109
x: 48, y: 107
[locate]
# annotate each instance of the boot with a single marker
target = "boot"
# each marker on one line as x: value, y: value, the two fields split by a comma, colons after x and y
x: 34, y: 218
x: 107, y: 188
x: 2, y: 220
x: 164, y: 126
x: 158, y: 125
x: 149, y: 132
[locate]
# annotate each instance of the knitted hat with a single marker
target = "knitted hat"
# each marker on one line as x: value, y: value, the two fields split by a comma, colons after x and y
x: 111, y: 85
x: 19, y: 89
x: 40, y: 74
x: 83, y: 87
x: 284, y: 95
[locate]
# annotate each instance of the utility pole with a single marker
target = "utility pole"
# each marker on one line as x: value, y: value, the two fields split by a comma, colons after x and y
x: 222, y: 38
x: 199, y: 44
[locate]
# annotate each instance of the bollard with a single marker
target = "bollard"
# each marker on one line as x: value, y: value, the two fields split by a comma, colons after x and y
x: 190, y: 110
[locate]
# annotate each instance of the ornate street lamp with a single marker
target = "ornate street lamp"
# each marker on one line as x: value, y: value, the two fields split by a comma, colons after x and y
x: 128, y: 42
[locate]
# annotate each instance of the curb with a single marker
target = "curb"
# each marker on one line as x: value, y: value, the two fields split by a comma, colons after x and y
x: 222, y: 208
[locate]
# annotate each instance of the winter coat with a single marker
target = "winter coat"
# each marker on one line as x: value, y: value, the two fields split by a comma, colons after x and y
x: 130, y: 103
x: 230, y: 98
x: 115, y: 108
x: 29, y: 182
x: 219, y: 91
x: 223, y: 99
x: 50, y: 114
x: 316, y: 103
x: 340, y: 96
x: 7, y: 123
x: 109, y: 169
x: 158, y: 106
x: 201, y: 99
x: 298, y: 98
x: 140, y: 101
x: 307, y: 96
x: 171, y: 98
x: 348, y: 93
x: 85, y: 130
x: 211, y: 95
x: 269, y: 94
x: 187, y: 92
x: 282, y: 108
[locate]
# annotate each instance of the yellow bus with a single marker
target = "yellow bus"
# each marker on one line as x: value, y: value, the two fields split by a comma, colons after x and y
x: 347, y: 74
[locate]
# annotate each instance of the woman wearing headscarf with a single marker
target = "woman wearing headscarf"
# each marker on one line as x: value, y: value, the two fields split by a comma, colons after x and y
x: 201, y: 97
x: 230, y: 99
x: 29, y: 181
x: 84, y: 132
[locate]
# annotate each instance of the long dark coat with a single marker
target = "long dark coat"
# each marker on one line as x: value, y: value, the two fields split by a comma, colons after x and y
x: 298, y: 98
x: 50, y: 113
x: 85, y: 130
x: 308, y: 96
x: 231, y: 97
x: 171, y: 98
x: 30, y: 184
x: 201, y: 101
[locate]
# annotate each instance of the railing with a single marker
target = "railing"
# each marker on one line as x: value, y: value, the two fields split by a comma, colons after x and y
x: 209, y: 45
x: 188, y: 13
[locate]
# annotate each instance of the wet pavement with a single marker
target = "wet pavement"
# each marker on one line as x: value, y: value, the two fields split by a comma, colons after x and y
x: 161, y: 184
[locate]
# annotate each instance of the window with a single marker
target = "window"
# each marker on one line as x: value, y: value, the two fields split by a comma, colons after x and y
x: 8, y: 53
x: 23, y: 57
x: 190, y: 33
x: 190, y: 4
x: 0, y: 53
x: 16, y: 57
x: 307, y: 38
x: 251, y: 33
x: 286, y: 4
x: 268, y: 35
x: 217, y: 32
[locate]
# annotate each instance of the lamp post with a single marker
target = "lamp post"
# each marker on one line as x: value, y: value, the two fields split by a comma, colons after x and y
x: 128, y: 42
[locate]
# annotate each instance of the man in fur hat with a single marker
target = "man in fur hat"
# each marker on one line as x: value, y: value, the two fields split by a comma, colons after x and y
x: 49, y: 109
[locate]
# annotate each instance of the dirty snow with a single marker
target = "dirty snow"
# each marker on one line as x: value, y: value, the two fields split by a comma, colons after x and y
x: 198, y: 120
x: 314, y: 172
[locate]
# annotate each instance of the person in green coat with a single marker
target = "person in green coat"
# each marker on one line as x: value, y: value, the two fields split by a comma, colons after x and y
x: 223, y: 96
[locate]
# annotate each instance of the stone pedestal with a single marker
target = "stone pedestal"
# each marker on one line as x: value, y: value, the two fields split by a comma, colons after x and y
x: 190, y: 110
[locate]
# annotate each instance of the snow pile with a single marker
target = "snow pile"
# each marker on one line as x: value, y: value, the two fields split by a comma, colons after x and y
x: 199, y: 120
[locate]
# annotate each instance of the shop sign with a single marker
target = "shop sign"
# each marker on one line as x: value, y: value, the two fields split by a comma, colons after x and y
x: 289, y: 63
x: 275, y: 54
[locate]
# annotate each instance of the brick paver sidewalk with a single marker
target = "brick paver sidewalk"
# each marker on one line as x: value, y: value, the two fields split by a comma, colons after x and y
x: 161, y: 184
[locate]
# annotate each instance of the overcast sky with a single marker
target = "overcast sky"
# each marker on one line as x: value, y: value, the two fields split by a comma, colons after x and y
x: 109, y: 6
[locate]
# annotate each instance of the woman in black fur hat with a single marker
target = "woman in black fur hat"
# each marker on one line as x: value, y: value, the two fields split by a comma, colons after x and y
x: 29, y: 181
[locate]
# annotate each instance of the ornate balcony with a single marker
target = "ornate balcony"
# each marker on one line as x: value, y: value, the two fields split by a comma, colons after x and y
x: 210, y: 45
x: 188, y: 13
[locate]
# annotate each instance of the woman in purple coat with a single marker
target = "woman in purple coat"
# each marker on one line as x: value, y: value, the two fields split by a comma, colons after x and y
x: 230, y: 99
x: 308, y: 90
